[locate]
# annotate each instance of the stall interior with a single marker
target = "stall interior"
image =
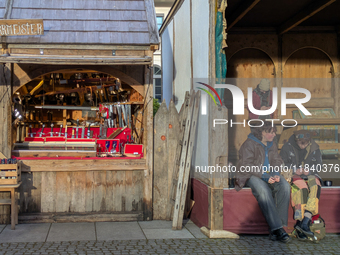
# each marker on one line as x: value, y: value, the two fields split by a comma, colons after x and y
x: 75, y: 113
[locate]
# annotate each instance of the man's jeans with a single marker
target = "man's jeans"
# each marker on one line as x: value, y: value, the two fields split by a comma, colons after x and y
x: 273, y: 200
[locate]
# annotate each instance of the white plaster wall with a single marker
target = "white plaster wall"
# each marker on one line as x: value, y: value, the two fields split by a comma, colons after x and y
x: 157, y: 60
x: 200, y: 47
x: 167, y: 62
x: 182, y: 56
x: 178, y: 80
x: 200, y: 35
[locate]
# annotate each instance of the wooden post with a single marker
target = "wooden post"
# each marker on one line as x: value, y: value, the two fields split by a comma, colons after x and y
x: 5, y: 109
x: 148, y: 143
x: 161, y: 140
x: 337, y: 76
x: 278, y: 80
x: 218, y: 151
x: 218, y: 148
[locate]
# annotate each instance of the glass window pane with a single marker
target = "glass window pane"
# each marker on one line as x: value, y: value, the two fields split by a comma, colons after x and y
x: 158, y: 82
x: 156, y: 70
x: 159, y: 21
x: 158, y: 90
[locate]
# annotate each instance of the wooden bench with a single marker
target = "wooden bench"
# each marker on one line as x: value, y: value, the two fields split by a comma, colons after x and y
x: 242, y: 215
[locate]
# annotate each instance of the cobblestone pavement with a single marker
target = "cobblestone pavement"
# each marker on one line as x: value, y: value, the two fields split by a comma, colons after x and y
x: 247, y: 244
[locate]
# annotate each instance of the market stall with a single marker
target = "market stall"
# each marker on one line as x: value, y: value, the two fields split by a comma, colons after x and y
x: 78, y: 114
x: 295, y: 45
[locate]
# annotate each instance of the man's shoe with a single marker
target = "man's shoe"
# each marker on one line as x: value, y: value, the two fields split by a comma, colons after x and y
x: 303, y: 227
x: 300, y: 236
x: 280, y: 235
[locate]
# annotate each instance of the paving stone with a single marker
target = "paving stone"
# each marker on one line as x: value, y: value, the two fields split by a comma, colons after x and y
x: 71, y: 232
x: 195, y: 231
x: 245, y: 245
x: 118, y: 231
x: 25, y: 233
x: 155, y: 224
x: 167, y: 234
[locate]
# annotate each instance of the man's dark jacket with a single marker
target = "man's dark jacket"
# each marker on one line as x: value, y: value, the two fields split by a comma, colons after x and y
x: 291, y: 155
x: 253, y: 154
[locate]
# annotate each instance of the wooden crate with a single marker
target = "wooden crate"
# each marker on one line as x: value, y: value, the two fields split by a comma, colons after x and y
x: 10, y: 170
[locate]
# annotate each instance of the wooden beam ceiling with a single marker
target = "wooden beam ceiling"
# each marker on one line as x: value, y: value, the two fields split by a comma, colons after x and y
x: 239, y: 13
x: 303, y: 15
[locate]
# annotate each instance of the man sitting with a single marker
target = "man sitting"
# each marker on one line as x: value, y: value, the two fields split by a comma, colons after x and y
x: 270, y: 189
x: 302, y: 154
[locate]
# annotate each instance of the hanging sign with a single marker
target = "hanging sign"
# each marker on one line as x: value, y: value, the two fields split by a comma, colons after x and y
x: 10, y: 27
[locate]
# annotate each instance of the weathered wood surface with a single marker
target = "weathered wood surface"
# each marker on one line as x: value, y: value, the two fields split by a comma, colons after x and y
x: 80, y: 192
x: 175, y: 166
x: 171, y: 126
x: 184, y: 159
x: 5, y: 110
x: 218, y: 147
x: 161, y: 140
x: 110, y: 22
x: 174, y: 136
x: 75, y: 60
x: 46, y: 153
x: 187, y: 167
x: 82, y: 165
x: 15, y: 27
x: 80, y: 217
x: 5, y: 130
x: 148, y: 143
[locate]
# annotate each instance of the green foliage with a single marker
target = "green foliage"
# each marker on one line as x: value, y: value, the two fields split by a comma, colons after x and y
x: 156, y: 105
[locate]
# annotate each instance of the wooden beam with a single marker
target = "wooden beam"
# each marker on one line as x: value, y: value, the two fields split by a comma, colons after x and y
x: 82, y: 165
x: 148, y: 143
x: 240, y: 12
x: 304, y: 14
x: 5, y: 109
x: 175, y: 7
x: 80, y: 217
x: 78, y: 46
x: 75, y: 60
x: 336, y: 74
